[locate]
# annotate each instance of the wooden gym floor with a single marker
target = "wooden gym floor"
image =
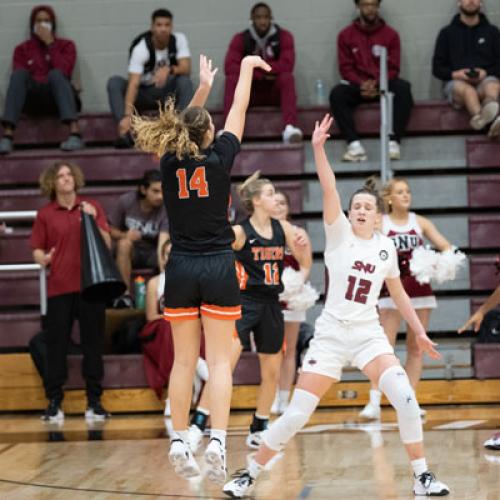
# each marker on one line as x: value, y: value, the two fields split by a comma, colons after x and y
x: 337, y: 456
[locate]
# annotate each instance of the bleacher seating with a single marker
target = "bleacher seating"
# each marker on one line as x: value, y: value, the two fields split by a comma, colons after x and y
x: 459, y: 193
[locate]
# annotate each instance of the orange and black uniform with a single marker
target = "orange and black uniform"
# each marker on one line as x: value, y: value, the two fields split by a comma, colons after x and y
x: 200, y: 277
x: 259, y: 266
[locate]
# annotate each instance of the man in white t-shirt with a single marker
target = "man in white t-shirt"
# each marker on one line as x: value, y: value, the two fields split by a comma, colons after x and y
x: 159, y: 66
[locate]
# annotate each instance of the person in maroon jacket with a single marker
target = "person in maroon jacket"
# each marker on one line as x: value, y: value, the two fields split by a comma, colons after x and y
x: 360, y: 73
x: 55, y: 241
x: 40, y: 83
x: 275, y: 45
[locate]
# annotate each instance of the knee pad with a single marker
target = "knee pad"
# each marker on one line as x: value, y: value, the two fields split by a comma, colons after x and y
x: 297, y: 414
x: 394, y: 383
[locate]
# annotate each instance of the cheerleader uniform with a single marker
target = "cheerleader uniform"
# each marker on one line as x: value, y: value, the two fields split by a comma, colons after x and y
x: 406, y: 238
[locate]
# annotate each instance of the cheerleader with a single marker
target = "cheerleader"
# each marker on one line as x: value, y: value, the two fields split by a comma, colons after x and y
x: 407, y: 230
x: 293, y: 318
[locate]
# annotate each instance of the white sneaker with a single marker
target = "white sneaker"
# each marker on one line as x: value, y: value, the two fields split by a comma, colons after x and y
x: 422, y: 412
x: 394, y: 150
x: 182, y: 459
x: 240, y: 486
x: 254, y: 439
x: 493, y: 443
x: 494, y: 130
x: 215, y: 458
x: 488, y: 113
x: 370, y: 412
x: 283, y: 405
x: 427, y: 485
x: 355, y: 152
x: 195, y: 437
x: 292, y: 135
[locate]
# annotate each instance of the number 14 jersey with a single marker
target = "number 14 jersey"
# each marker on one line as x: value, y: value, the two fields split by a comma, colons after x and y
x: 357, y: 269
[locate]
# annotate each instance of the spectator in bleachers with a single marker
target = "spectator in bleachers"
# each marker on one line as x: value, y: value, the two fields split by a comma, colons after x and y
x: 55, y: 240
x: 360, y: 72
x: 467, y: 60
x: 40, y: 83
x: 159, y: 65
x: 276, y: 46
x: 139, y: 225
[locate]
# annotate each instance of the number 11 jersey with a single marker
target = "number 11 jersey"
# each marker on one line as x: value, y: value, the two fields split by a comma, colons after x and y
x: 196, y: 194
x: 357, y: 269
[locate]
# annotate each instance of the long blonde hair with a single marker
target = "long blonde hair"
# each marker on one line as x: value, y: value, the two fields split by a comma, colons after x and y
x: 172, y: 132
x: 251, y: 187
x: 387, y: 190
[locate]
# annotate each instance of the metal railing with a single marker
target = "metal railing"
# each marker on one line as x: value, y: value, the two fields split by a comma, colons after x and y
x: 27, y: 215
x: 386, y: 107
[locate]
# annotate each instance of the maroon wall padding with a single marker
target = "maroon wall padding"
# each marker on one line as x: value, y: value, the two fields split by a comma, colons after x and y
x: 261, y: 123
x: 484, y: 231
x: 483, y: 273
x: 126, y: 371
x: 486, y: 360
x: 15, y: 249
x: 482, y: 152
x: 17, y: 328
x: 20, y: 288
x: 484, y: 191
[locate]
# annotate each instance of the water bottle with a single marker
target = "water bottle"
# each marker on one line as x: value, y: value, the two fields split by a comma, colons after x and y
x: 140, y: 292
x: 320, y: 93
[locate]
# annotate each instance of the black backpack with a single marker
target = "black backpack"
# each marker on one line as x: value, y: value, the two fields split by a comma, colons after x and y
x: 489, y: 332
x: 148, y: 37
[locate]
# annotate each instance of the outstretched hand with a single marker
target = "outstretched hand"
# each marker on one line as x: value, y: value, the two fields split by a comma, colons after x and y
x: 256, y: 62
x: 426, y: 345
x: 207, y: 74
x: 320, y: 134
x: 475, y: 320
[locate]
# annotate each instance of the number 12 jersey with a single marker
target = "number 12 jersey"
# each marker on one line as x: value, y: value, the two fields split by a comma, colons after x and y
x: 357, y: 269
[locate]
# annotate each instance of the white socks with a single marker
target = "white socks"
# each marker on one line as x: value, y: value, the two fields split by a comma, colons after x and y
x: 219, y: 435
x: 419, y: 466
x: 375, y: 397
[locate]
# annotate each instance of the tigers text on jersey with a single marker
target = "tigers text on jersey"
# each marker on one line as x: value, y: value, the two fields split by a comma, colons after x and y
x: 357, y: 269
x: 259, y: 264
x: 196, y: 196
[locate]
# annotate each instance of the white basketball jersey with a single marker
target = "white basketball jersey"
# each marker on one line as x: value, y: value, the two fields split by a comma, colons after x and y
x: 406, y: 237
x: 357, y: 269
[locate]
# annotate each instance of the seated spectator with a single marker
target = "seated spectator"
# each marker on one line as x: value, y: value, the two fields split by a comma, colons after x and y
x: 159, y: 65
x: 360, y: 72
x: 467, y: 60
x: 40, y: 83
x: 139, y: 225
x: 275, y: 45
x: 55, y: 240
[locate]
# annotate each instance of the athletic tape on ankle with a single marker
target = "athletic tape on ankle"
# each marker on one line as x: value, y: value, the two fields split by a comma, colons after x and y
x: 394, y: 383
x: 297, y: 414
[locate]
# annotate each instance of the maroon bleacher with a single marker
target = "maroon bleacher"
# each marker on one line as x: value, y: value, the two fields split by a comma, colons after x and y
x: 20, y: 288
x: 484, y: 231
x: 483, y: 273
x: 108, y: 164
x: 482, y: 152
x: 17, y: 328
x: 483, y: 191
x: 428, y: 117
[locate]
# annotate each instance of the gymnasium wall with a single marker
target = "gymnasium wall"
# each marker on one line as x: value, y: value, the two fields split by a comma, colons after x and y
x: 103, y: 29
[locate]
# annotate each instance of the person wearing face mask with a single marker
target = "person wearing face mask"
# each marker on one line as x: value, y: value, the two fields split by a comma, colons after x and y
x: 159, y: 66
x: 40, y: 83
x: 277, y: 88
x: 407, y: 230
x: 360, y: 72
x: 467, y: 60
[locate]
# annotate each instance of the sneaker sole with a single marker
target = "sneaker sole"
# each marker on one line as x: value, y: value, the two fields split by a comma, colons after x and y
x: 354, y: 159
x: 494, y: 129
x: 216, y: 470
x: 182, y: 467
x: 442, y: 493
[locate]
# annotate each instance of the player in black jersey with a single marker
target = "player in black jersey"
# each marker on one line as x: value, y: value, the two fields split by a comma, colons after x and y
x: 200, y: 277
x: 260, y: 250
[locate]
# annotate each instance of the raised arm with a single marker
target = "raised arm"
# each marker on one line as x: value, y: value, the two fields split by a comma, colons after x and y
x: 299, y: 244
x: 235, y: 121
x: 207, y: 75
x: 331, y: 200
